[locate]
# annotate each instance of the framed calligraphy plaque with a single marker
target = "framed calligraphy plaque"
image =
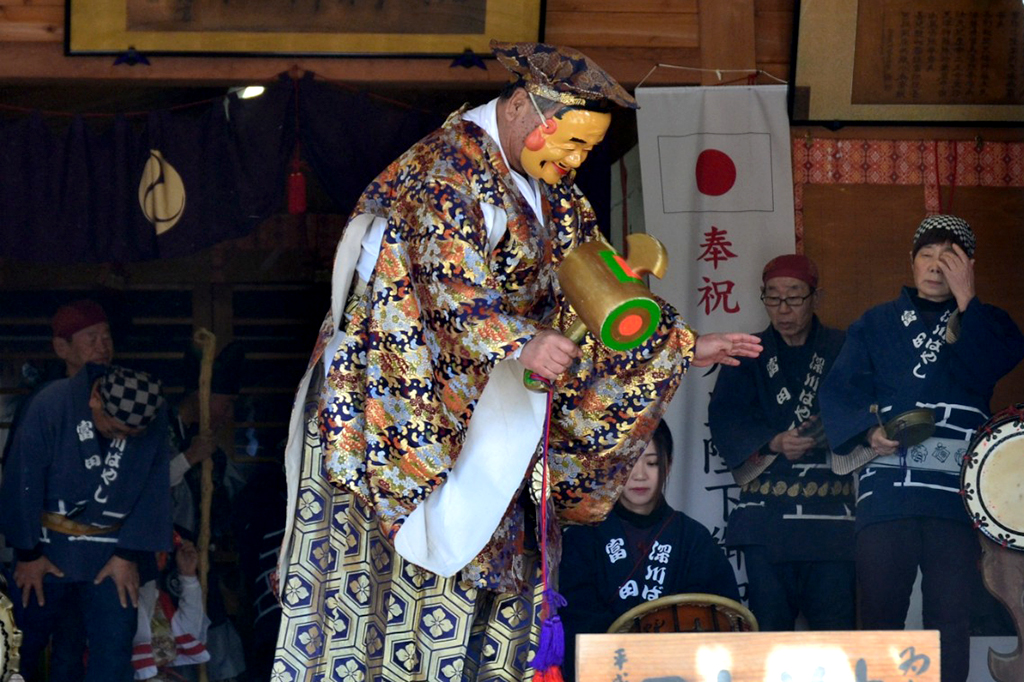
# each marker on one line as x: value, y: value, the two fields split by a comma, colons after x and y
x: 299, y: 27
x: 914, y: 61
x: 878, y: 656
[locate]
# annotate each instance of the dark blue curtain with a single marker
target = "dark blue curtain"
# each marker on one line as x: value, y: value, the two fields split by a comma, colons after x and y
x: 70, y: 190
x: 76, y: 190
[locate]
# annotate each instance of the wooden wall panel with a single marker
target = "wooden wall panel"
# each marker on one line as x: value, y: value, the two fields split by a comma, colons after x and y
x: 663, y: 6
x: 622, y: 29
x: 775, y: 6
x: 31, y: 21
x: 773, y: 36
x: 726, y: 37
x: 32, y: 13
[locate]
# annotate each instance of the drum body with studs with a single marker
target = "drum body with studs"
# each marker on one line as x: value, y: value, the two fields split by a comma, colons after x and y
x: 688, y: 612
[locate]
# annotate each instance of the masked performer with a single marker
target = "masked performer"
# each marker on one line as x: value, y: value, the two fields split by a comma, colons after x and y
x: 794, y: 520
x: 935, y: 347
x: 408, y: 551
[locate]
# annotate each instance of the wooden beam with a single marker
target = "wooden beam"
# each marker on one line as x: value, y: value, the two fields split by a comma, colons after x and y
x: 38, y: 13
x: 31, y: 32
x: 45, y: 63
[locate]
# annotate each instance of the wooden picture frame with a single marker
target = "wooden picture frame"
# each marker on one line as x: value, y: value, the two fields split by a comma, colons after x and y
x: 298, y: 28
x: 919, y: 62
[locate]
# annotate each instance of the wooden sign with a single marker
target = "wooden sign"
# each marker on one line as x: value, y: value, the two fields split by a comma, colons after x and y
x: 875, y: 656
x: 924, y: 61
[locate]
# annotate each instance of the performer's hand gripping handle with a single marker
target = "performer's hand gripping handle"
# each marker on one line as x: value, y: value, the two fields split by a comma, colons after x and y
x: 609, y: 296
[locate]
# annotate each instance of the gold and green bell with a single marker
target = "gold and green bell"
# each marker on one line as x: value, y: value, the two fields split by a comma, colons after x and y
x: 608, y: 292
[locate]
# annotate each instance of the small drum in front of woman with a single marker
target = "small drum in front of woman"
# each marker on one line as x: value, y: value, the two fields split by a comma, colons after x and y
x: 692, y: 612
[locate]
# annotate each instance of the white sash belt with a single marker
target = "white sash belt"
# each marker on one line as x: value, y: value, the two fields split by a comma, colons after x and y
x: 934, y: 454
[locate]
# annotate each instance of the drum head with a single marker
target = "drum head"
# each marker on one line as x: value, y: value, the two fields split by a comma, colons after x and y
x: 992, y: 478
x: 911, y: 427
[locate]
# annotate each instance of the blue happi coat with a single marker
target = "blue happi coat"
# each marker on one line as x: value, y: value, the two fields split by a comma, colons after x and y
x: 800, y: 511
x: 57, y: 464
x: 897, y: 356
x: 604, y: 573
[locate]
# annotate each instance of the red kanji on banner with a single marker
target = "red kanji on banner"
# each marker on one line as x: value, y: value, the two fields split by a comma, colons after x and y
x: 716, y: 294
x: 716, y: 247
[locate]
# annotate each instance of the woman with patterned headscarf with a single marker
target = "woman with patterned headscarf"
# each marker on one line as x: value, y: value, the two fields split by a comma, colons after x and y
x: 938, y: 348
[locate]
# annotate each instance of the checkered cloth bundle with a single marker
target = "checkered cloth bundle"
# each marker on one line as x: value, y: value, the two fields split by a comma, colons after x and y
x: 129, y: 396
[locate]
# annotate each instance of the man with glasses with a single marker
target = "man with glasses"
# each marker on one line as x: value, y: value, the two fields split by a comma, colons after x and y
x: 794, y: 521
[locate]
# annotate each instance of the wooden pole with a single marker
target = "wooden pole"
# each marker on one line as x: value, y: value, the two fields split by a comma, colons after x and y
x: 207, y: 342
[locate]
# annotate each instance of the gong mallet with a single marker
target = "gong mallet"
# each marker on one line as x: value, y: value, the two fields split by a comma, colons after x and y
x: 608, y: 293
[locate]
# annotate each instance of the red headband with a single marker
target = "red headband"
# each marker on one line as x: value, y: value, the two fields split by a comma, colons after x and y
x: 76, y: 316
x: 792, y: 265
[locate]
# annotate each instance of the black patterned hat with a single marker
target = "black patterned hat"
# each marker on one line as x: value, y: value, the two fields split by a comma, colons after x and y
x: 130, y: 397
x: 562, y: 74
x: 957, y: 230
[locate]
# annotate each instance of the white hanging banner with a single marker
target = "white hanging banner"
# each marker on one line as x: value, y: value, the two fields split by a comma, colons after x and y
x: 718, y: 192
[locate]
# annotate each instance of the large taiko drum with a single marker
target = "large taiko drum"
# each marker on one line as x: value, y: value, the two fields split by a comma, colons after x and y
x: 10, y: 639
x: 690, y: 612
x: 992, y: 478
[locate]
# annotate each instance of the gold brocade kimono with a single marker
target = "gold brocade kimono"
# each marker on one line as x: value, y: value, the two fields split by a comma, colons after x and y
x: 442, y: 315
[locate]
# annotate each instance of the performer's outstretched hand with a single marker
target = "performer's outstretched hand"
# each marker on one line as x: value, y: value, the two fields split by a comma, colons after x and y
x: 725, y: 348
x: 549, y: 354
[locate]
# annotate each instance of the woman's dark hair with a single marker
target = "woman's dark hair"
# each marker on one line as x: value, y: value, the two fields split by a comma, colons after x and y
x: 662, y: 440
x: 937, y: 237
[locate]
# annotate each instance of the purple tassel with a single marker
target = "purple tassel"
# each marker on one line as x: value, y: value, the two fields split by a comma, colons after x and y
x: 551, y: 645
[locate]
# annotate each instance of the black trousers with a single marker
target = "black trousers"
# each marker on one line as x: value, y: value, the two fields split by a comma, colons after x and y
x: 823, y: 591
x: 888, y: 556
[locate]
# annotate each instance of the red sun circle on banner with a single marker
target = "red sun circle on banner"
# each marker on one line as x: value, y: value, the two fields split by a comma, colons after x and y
x: 716, y: 173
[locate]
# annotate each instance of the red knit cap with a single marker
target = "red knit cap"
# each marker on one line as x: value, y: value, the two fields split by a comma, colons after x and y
x: 792, y: 265
x: 76, y: 316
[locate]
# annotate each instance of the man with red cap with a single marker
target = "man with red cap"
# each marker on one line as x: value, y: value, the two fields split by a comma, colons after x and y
x: 794, y: 520
x: 81, y: 334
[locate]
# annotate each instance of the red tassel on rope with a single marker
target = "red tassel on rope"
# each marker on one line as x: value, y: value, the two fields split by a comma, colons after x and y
x: 553, y: 674
x: 547, y: 660
x: 296, y: 188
